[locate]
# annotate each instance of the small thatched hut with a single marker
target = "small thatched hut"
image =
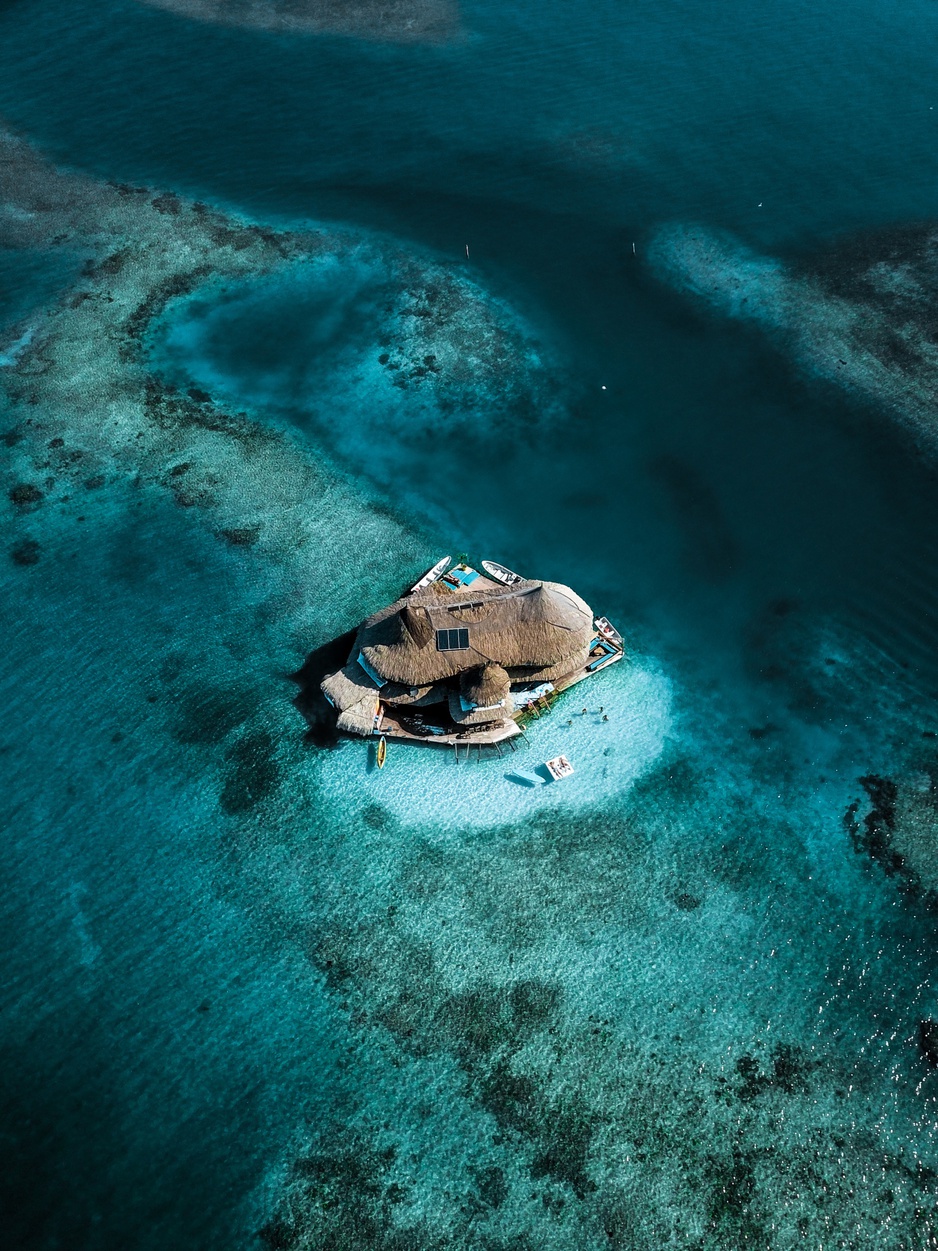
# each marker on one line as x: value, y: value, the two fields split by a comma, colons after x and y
x: 484, y: 696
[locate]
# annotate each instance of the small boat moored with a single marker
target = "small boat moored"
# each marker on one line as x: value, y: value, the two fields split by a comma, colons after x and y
x: 431, y: 575
x: 382, y: 751
x: 608, y: 631
x: 500, y: 573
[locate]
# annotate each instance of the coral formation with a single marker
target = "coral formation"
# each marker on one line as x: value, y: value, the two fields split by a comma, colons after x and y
x: 489, y: 971
x: 383, y: 360
x: 898, y: 827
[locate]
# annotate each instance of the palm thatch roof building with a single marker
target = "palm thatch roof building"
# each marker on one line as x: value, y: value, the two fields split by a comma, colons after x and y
x: 463, y: 656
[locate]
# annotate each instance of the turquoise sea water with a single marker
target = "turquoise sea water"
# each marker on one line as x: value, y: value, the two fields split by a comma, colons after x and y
x: 669, y: 1006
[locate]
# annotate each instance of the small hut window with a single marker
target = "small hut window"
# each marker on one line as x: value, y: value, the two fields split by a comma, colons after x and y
x: 452, y: 640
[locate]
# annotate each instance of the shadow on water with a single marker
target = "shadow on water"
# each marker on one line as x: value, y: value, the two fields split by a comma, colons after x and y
x: 310, y: 702
x: 712, y: 550
x: 537, y: 777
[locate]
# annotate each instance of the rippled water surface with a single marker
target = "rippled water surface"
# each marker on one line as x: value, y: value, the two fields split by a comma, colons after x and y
x: 673, y: 1005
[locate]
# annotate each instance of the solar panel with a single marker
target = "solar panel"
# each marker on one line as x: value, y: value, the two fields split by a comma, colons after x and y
x: 452, y: 640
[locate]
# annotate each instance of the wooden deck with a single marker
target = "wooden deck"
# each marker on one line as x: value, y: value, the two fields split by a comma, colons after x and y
x: 389, y: 725
x: 481, y: 583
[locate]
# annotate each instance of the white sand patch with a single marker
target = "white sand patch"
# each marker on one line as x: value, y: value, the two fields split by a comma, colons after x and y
x: 719, y: 269
x: 866, y: 348
x: 424, y: 786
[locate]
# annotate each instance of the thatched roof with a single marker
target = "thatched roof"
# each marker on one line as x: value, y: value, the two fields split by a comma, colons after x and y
x: 412, y: 696
x: 477, y: 716
x: 534, y: 625
x: 355, y: 697
x: 358, y: 720
x: 549, y: 673
x: 484, y: 687
x: 484, y: 695
x: 349, y: 687
x: 416, y: 622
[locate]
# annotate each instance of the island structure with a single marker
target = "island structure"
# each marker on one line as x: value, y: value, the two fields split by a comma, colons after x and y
x: 465, y: 657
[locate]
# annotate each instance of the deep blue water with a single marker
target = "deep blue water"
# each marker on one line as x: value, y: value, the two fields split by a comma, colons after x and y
x: 694, y: 484
x: 28, y: 278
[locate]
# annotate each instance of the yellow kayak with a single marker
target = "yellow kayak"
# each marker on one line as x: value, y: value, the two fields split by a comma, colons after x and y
x: 382, y: 751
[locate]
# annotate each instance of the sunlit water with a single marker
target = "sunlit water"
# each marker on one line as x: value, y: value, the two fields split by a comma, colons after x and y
x: 174, y: 1033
